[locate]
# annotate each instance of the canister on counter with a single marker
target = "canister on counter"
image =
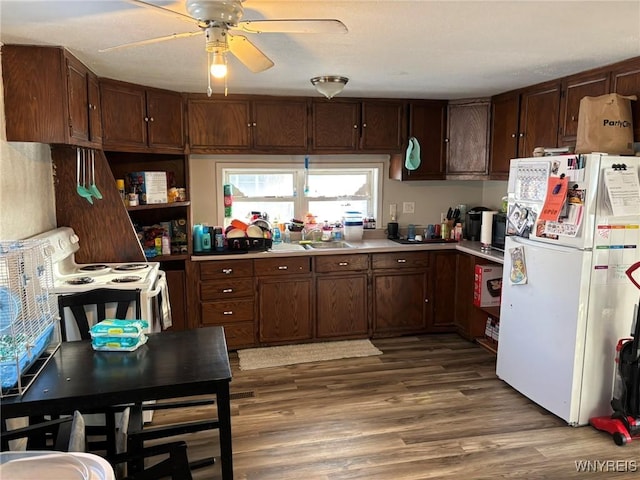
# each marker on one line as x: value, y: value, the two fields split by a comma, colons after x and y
x: 218, y: 239
x: 444, y: 230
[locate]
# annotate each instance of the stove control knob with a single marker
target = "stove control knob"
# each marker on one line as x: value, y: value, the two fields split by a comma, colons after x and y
x: 75, y: 238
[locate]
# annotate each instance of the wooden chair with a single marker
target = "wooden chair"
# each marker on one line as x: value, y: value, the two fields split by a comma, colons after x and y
x: 78, y: 304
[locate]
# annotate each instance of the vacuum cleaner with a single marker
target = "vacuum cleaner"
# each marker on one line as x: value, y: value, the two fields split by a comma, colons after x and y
x: 624, y: 423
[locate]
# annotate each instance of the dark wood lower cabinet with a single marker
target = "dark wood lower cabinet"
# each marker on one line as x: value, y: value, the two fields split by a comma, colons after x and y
x: 284, y: 309
x: 443, y: 266
x: 400, y: 302
x: 341, y: 306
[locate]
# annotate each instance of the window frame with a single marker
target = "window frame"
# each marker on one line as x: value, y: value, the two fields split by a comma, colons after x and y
x: 300, y: 200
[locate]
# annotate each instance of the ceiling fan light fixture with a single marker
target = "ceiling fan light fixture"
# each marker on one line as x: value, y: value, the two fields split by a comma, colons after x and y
x: 329, y: 85
x: 219, y: 65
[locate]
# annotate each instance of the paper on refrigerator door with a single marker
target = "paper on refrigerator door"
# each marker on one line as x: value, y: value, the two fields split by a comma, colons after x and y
x: 624, y: 190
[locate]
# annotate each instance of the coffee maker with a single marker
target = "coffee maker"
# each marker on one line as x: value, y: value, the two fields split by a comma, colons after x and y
x: 473, y: 223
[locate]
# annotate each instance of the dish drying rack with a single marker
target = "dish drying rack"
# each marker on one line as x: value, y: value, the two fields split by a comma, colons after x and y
x: 29, y: 320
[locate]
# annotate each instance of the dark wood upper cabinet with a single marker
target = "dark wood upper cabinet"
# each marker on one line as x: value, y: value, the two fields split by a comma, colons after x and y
x: 141, y: 119
x: 218, y: 123
x: 280, y: 123
x: 48, y: 97
x: 625, y: 80
x: 354, y: 125
x: 427, y: 123
x: 539, y: 109
x: 574, y: 88
x: 505, y: 116
x: 335, y: 125
x: 243, y: 124
x: 468, y: 139
x: 383, y: 126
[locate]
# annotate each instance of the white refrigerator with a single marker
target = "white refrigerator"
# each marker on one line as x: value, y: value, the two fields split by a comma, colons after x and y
x: 574, y: 229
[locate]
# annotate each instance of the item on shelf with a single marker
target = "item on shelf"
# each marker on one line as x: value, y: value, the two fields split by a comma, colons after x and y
x: 172, y: 195
x: 487, y: 285
x: 228, y: 201
x: 121, y: 192
x: 150, y: 186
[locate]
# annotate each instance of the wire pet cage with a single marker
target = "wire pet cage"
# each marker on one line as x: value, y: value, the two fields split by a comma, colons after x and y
x: 29, y: 328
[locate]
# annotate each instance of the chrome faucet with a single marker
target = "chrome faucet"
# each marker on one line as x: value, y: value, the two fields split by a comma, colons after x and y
x: 311, y: 232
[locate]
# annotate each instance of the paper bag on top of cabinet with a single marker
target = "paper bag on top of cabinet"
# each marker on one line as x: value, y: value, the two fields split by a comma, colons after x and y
x: 605, y: 125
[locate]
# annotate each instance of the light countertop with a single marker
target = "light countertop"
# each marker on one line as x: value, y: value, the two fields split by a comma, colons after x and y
x: 367, y: 245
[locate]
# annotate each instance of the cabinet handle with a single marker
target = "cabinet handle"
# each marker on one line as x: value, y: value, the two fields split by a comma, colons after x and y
x: 364, y: 125
x: 343, y: 264
x: 446, y: 140
x: 146, y: 119
x: 426, y: 300
x: 573, y: 118
x: 151, y: 119
x: 355, y: 126
x: 228, y: 312
x: 402, y: 260
x: 521, y: 135
x: 513, y: 135
x: 227, y: 271
x: 249, y: 124
x: 283, y: 267
x: 253, y: 124
x: 227, y: 290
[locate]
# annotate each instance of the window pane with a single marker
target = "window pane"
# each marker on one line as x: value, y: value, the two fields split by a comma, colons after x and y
x: 281, y: 211
x: 333, y: 210
x: 262, y: 184
x: 339, y: 185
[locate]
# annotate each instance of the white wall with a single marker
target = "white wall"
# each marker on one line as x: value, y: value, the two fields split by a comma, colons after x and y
x: 27, y: 196
x: 430, y: 197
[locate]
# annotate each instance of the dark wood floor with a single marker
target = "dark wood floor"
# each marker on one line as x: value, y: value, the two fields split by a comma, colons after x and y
x: 429, y: 407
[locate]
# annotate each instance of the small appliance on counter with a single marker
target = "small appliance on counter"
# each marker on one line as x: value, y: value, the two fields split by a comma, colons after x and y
x: 392, y: 231
x: 473, y: 223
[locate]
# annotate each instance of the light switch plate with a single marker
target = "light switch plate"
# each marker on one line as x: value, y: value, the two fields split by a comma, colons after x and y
x: 408, y: 207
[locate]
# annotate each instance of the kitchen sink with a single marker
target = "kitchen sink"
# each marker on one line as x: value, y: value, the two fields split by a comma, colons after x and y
x: 327, y: 245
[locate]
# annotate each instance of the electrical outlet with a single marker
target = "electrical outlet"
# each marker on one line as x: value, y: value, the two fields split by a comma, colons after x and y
x: 393, y: 210
x: 408, y: 207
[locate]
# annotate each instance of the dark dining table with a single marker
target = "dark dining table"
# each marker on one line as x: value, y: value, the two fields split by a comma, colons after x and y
x: 171, y: 364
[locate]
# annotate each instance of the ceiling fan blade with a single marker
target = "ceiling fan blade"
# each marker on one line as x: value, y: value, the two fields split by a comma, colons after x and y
x: 152, y: 40
x: 166, y: 11
x: 248, y: 53
x: 293, y: 26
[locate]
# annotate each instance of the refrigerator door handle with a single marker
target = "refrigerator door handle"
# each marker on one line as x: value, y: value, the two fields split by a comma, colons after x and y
x: 629, y: 273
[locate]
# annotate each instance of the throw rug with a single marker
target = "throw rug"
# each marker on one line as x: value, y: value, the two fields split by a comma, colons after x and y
x: 254, y: 358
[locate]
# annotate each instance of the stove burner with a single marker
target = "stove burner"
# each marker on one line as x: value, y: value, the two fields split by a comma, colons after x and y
x: 80, y: 281
x: 132, y: 266
x: 93, y: 268
x: 127, y: 279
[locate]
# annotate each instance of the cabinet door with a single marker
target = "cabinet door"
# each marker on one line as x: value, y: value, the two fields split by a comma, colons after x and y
x: 443, y: 296
x: 341, y: 305
x: 468, y: 320
x: 400, y: 302
x: 625, y: 80
x: 468, y: 139
x: 504, y: 134
x: 280, y: 124
x: 427, y: 123
x: 78, y: 97
x: 165, y: 119
x: 216, y: 124
x: 539, y: 109
x: 573, y: 89
x: 335, y: 125
x: 383, y: 126
x: 123, y: 115
x: 284, y: 309
x: 95, y: 113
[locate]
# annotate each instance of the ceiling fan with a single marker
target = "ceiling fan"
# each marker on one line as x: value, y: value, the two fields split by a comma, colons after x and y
x: 217, y: 18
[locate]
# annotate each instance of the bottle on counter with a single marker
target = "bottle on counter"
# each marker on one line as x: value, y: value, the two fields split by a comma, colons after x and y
x: 287, y: 234
x: 206, y: 239
x: 277, y: 236
x: 197, y: 238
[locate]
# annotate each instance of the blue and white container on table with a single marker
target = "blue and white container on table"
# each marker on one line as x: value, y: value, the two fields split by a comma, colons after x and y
x: 353, y: 226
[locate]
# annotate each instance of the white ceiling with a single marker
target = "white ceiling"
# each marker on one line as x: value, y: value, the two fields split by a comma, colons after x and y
x: 405, y: 49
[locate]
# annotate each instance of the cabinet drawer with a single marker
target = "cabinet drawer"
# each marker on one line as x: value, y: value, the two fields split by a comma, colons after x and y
x: 226, y: 269
x: 341, y: 263
x: 219, y: 313
x: 400, y: 260
x: 240, y: 335
x: 228, y: 288
x: 283, y: 266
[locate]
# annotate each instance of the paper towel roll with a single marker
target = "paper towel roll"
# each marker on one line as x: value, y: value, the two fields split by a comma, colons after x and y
x: 487, y: 227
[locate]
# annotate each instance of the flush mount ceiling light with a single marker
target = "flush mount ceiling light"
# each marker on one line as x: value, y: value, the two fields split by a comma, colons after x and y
x: 329, y: 85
